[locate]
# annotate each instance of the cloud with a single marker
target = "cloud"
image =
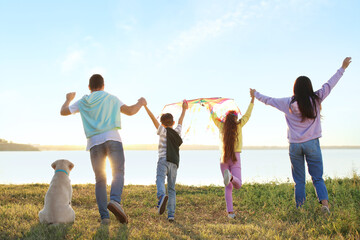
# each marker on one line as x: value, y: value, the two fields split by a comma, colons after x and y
x: 206, y: 29
x: 241, y: 14
x: 90, y: 41
x: 97, y: 70
x: 72, y: 60
x: 127, y: 24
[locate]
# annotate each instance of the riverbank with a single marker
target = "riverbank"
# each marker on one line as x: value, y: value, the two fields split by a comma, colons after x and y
x: 264, y: 211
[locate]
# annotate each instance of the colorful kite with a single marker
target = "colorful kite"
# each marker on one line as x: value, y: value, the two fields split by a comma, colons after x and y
x: 198, y: 115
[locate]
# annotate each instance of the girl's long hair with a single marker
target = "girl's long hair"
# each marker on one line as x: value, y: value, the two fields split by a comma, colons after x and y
x: 230, y: 136
x: 305, y: 97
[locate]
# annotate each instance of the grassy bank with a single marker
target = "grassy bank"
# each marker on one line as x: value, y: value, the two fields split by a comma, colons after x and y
x: 264, y: 211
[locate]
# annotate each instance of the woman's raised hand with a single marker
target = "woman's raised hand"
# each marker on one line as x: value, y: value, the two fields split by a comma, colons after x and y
x: 346, y: 62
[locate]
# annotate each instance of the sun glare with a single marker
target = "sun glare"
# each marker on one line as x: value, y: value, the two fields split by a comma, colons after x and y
x: 108, y: 172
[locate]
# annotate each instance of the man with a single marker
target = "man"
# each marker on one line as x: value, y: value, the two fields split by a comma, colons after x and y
x: 100, y: 114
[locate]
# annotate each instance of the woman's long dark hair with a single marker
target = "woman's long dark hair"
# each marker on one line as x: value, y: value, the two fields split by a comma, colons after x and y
x: 230, y: 136
x: 305, y: 97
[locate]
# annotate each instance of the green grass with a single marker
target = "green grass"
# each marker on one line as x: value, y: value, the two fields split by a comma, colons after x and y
x: 264, y: 211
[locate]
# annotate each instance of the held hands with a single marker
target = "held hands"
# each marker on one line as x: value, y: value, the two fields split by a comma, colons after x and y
x: 70, y: 96
x: 252, y: 92
x: 346, y: 62
x: 142, y: 101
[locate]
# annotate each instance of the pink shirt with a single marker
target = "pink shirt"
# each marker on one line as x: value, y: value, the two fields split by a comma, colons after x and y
x: 309, y: 129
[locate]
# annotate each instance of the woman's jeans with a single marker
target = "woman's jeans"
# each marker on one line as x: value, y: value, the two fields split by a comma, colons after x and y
x: 114, y: 151
x: 311, y: 152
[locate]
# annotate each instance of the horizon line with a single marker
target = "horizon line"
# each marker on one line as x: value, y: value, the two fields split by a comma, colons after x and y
x: 186, y: 147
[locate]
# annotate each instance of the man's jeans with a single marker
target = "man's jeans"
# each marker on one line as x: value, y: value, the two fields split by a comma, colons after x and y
x: 169, y: 169
x: 114, y: 151
x: 312, y: 153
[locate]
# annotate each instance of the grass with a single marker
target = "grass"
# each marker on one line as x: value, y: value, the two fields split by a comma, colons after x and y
x: 264, y: 211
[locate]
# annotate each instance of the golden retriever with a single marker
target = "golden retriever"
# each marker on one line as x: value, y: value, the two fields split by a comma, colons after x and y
x: 57, y: 207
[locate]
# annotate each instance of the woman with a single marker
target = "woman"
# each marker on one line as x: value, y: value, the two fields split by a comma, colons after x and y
x: 302, y: 113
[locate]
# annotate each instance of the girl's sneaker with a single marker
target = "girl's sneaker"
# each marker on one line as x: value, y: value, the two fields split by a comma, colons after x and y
x: 231, y: 215
x: 162, y: 204
x: 171, y: 218
x: 227, y: 177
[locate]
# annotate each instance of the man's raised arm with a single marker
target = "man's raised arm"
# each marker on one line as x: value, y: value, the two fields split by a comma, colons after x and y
x: 133, y: 109
x: 65, y: 107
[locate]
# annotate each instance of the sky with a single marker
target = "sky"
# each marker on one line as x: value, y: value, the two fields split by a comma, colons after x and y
x: 167, y: 51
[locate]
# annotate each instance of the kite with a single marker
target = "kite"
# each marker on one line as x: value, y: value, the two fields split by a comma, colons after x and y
x: 198, y: 115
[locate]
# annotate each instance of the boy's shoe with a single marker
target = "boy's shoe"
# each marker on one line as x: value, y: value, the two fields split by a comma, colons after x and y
x: 227, y: 177
x: 171, y: 218
x: 325, y: 209
x: 162, y: 204
x: 231, y: 215
x: 117, y: 210
x: 105, y: 221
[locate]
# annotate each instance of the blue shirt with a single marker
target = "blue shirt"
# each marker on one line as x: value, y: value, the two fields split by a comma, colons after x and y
x: 100, y: 112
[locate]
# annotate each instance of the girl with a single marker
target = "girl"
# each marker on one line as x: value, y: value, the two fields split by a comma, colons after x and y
x: 231, y: 136
x: 302, y: 113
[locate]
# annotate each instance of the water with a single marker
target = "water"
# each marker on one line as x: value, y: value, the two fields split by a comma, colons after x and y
x: 196, y: 167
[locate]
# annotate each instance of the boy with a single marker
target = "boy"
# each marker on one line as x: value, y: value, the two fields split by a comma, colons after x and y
x: 168, y: 163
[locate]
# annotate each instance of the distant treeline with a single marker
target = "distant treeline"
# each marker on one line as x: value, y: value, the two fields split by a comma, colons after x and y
x: 10, y: 146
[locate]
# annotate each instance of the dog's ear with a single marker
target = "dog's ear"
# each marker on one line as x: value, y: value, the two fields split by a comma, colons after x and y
x: 71, y: 165
x: 53, y: 165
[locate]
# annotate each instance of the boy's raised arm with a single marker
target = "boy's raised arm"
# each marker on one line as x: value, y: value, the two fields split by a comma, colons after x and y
x: 153, y: 118
x: 184, y: 107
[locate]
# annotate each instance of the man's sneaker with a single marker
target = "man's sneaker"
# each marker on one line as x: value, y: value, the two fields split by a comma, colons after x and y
x: 162, y: 204
x: 171, y: 218
x: 325, y: 209
x: 105, y: 221
x: 117, y: 210
x: 231, y: 215
x: 227, y: 177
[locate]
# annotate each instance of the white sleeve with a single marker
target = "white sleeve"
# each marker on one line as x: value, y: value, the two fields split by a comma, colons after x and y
x: 74, y: 108
x: 121, y: 102
x: 178, y: 129
x: 161, y: 130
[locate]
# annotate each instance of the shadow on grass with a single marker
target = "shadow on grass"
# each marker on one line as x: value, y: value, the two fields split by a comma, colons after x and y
x: 46, y: 231
x: 122, y: 232
x: 103, y: 232
x: 185, y: 230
